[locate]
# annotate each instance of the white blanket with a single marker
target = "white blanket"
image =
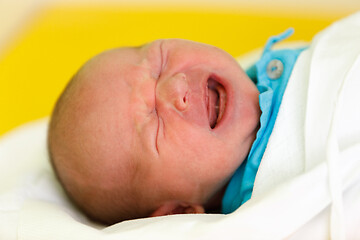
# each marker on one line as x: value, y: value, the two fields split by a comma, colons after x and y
x: 307, y: 187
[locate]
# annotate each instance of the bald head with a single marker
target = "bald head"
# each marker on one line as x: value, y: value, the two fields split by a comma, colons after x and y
x: 87, y: 150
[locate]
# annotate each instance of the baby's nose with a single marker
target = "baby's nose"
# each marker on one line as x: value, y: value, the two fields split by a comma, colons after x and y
x: 174, y: 90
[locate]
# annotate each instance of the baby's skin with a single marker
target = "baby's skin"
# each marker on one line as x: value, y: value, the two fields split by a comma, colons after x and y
x: 153, y: 130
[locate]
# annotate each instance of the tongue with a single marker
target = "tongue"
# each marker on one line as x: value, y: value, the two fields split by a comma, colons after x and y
x: 213, y: 98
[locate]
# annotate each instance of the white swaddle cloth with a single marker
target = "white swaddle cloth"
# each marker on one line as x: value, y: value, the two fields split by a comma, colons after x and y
x: 307, y: 187
x: 318, y: 124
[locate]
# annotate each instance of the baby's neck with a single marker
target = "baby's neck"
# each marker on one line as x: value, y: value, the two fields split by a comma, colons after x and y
x: 214, y: 203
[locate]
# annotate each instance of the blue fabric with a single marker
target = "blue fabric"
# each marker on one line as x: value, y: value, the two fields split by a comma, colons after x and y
x: 241, y: 185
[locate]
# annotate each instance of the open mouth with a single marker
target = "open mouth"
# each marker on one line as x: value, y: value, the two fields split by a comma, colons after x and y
x: 216, y: 101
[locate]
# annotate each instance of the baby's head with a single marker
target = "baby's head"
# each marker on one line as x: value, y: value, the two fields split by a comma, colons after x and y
x: 153, y: 130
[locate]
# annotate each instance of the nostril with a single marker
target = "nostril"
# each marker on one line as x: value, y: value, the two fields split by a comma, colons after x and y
x: 180, y: 105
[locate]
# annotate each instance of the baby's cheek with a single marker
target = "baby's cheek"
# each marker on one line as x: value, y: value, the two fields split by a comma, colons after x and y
x: 225, y: 156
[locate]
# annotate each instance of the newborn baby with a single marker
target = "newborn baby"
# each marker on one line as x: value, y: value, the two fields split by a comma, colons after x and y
x: 154, y: 130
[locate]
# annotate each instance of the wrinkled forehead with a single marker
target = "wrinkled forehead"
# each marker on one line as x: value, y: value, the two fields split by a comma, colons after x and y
x: 147, y: 55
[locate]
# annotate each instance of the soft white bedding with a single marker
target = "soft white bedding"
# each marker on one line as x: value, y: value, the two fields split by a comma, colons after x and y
x: 307, y: 187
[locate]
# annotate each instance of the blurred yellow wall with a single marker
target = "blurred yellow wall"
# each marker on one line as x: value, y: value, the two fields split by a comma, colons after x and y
x: 36, y: 65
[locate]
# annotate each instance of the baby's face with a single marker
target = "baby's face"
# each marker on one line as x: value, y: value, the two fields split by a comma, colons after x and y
x: 171, y: 120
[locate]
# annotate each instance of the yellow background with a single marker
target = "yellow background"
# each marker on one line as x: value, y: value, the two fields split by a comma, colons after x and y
x: 53, y: 45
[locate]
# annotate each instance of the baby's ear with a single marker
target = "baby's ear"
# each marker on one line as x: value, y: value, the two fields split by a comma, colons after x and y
x: 176, y: 207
